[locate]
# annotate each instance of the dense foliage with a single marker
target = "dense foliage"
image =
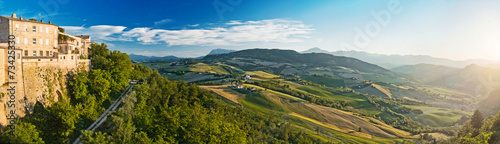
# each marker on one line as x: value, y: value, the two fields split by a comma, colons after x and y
x: 478, y: 131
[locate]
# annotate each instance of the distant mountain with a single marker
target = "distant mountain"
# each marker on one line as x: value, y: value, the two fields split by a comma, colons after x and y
x: 426, y: 72
x: 473, y: 79
x: 310, y: 60
x: 154, y: 58
x: 220, y: 51
x: 315, y: 50
x: 392, y: 61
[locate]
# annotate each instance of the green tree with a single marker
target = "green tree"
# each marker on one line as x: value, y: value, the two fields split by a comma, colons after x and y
x: 480, y: 139
x: 477, y: 119
x: 89, y: 137
x: 24, y: 133
x: 79, y: 87
x: 100, y: 84
x: 98, y: 50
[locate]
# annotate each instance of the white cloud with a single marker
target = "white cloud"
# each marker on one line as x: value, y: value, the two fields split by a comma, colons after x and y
x: 194, y: 25
x: 274, y: 30
x: 163, y: 21
x: 100, y: 32
x: 231, y: 33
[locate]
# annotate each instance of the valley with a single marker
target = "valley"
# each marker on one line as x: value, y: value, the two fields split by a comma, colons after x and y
x: 334, y: 94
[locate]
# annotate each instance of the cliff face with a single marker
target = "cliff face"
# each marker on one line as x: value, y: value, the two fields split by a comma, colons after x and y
x: 42, y: 82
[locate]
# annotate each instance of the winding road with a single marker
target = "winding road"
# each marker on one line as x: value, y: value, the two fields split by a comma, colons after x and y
x: 106, y: 113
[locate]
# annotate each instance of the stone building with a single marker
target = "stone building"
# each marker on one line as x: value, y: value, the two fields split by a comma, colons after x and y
x: 44, y: 56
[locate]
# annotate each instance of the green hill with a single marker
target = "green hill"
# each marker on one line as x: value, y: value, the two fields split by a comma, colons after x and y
x: 310, y: 60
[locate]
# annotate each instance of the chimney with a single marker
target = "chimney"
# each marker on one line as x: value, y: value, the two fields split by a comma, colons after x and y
x: 41, y: 21
x: 14, y: 15
x: 21, y: 17
x: 50, y: 22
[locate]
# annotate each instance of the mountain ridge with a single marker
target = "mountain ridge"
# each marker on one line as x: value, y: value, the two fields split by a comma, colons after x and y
x: 394, y: 60
x: 294, y: 57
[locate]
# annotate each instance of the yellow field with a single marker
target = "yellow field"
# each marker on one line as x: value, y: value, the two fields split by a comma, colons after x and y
x: 261, y: 74
x: 387, y: 92
x: 225, y: 91
x: 338, y: 120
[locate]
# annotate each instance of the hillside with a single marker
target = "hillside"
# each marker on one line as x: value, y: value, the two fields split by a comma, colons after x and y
x: 314, y: 89
x: 302, y: 60
x: 135, y: 57
x: 220, y: 51
x: 473, y: 80
x: 392, y: 61
x: 426, y: 72
x: 480, y: 82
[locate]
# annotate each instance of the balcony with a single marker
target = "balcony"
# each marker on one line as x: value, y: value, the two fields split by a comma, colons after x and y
x: 66, y: 41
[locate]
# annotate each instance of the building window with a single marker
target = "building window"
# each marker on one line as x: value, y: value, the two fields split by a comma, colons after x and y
x: 34, y: 28
x: 34, y: 40
x: 34, y: 53
x: 41, y: 41
x: 71, y: 57
x: 64, y: 57
x: 17, y: 40
x: 41, y: 29
x: 25, y: 52
x: 17, y: 26
x: 26, y: 28
x: 41, y: 53
x: 47, y: 53
x: 46, y: 30
x: 77, y: 43
x: 25, y: 40
x: 55, y: 43
x: 46, y: 41
x: 51, y: 53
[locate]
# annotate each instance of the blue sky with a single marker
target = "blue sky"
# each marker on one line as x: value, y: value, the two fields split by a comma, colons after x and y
x: 454, y: 29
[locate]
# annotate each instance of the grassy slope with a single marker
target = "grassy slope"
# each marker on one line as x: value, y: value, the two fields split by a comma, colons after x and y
x: 360, y: 102
x: 207, y: 68
x: 224, y: 91
x: 384, y: 90
x: 437, y: 117
x: 329, y: 82
x: 261, y: 74
x: 271, y: 102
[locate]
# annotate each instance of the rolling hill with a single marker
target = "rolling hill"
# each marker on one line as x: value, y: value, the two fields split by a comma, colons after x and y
x: 425, y: 72
x: 290, y: 57
x: 220, y: 51
x: 392, y: 61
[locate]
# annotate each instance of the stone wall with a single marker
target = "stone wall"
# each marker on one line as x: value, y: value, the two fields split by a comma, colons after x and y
x: 41, y: 80
x: 19, y: 93
x: 42, y: 77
